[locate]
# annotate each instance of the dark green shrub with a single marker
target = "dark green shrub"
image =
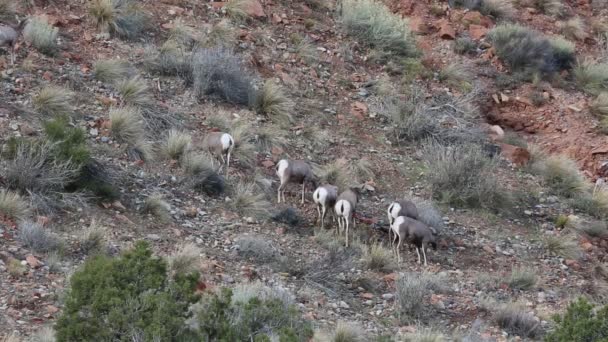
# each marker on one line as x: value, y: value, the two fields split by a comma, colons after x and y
x: 69, y: 142
x: 581, y: 324
x: 126, y: 298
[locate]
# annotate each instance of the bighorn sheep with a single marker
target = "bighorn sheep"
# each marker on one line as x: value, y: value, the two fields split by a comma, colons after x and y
x: 416, y: 233
x: 8, y: 37
x: 294, y: 171
x: 325, y: 197
x: 345, y: 209
x: 220, y: 144
x: 400, y: 208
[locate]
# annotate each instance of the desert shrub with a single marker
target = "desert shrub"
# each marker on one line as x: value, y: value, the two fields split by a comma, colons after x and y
x: 593, y: 229
x: 564, y: 246
x: 562, y: 221
x: 592, y: 203
x: 156, y: 206
x: 38, y: 238
x: 464, y: 175
x: 184, y: 260
x: 274, y: 103
x: 238, y: 9
x: 362, y: 169
x: 8, y: 8
x: 464, y: 46
x: 428, y: 213
x: 126, y: 125
x: 523, y: 49
x: 581, y: 322
x: 170, y: 60
x: 53, y: 101
x: 561, y: 175
x: 377, y: 257
x: 256, y: 247
x: 44, y: 334
x: 69, y: 143
x: 93, y: 238
x: 411, y: 291
x: 335, y: 173
x: 522, y: 279
x: 254, y: 315
x: 134, y: 92
x: 269, y: 137
x: 12, y: 205
x: 202, y: 175
x: 456, y: 76
x: 499, y: 9
x: 375, y: 25
x: 222, y: 33
x: 549, y: 7
x: 41, y: 35
x: 218, y: 73
x: 515, y: 320
x: 112, y: 70
x: 426, y: 335
x: 592, y: 77
x: 574, y: 29
x: 122, y: 18
x: 247, y: 201
x: 126, y: 297
x: 176, y: 144
x: 348, y: 332
x: 599, y: 106
x: 563, y: 53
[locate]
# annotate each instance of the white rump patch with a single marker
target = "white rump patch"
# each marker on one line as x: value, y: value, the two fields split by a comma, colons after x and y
x: 227, y: 141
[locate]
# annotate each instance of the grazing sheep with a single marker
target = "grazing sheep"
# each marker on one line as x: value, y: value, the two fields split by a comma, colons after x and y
x: 9, y: 36
x: 400, y: 208
x: 416, y: 233
x: 220, y: 144
x: 345, y: 209
x: 325, y: 197
x: 294, y: 171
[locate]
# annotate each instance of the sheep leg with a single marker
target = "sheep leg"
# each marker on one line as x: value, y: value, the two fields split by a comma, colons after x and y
x: 323, y: 217
x: 279, y: 193
x: 227, y: 161
x: 346, y: 219
x: 424, y: 254
x: 397, y: 249
x: 418, y: 252
x: 303, y: 186
x: 318, y: 213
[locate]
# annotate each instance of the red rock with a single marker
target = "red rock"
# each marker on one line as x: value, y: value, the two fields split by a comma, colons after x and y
x: 254, y: 8
x: 47, y: 75
x: 488, y: 249
x: 446, y: 31
x: 477, y: 31
x: 572, y: 264
x: 119, y: 206
x: 123, y: 218
x: 358, y: 110
x: 268, y: 164
x: 472, y: 17
x: 587, y: 246
x: 600, y: 150
x: 33, y: 261
x: 515, y: 154
x: 367, y: 295
x: 276, y: 19
x: 51, y: 309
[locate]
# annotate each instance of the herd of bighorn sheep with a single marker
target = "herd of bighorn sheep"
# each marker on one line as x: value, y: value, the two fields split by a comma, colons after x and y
x: 402, y: 215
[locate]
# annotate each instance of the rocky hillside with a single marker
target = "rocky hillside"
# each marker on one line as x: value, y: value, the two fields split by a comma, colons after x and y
x: 491, y: 116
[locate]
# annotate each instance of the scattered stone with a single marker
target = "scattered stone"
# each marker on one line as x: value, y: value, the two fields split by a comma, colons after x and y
x: 446, y: 31
x: 388, y: 296
x: 153, y: 237
x: 343, y: 305
x: 33, y: 261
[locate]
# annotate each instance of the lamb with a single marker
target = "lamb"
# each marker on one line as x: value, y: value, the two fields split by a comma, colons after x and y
x: 294, y: 171
x: 345, y: 209
x: 400, y: 208
x: 220, y: 144
x: 416, y: 233
x: 325, y: 196
x: 8, y: 37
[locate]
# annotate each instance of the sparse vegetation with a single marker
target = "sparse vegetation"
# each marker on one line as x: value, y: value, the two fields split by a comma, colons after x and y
x: 255, y: 247
x: 134, y: 92
x: 464, y: 175
x: 561, y: 175
x: 93, y: 238
x: 171, y: 59
x: 564, y: 246
x: 156, y: 206
x: 411, y: 292
x: 122, y: 18
x: 515, y: 320
x: 348, y: 332
x: 424, y: 335
x: 38, y: 238
x: 428, y: 213
x: 184, y: 260
x: 549, y: 7
x: 594, y: 229
x: 247, y: 201
x: 592, y: 77
x: 522, y: 279
x: 498, y: 9
x: 8, y: 8
x: 574, y: 29
x: 464, y: 46
x: 53, y: 101
x: 12, y: 205
x: 44, y: 334
x: 563, y: 53
x: 176, y: 144
x: 562, y: 221
x: 582, y: 321
x: 274, y: 103
x: 112, y: 70
x: 335, y: 173
x: 127, y: 126
x: 237, y: 9
x: 599, y: 106
x: 377, y: 257
x: 202, y: 174
x: 270, y: 137
x: 41, y: 35
x: 375, y: 25
x: 456, y: 76
x: 362, y: 169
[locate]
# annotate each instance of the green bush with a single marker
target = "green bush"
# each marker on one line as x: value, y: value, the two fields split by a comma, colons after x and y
x: 69, y: 142
x: 580, y: 323
x: 126, y: 298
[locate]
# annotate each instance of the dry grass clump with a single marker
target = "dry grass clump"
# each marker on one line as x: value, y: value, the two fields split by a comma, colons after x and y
x: 41, y: 35
x: 348, y: 332
x: 8, y: 9
x: 561, y: 175
x: 522, y: 279
x: 274, y: 103
x: 515, y: 320
x: 563, y: 52
x: 156, y: 206
x: 217, y: 72
x: 36, y: 237
x: 220, y: 34
x: 362, y: 169
x: 259, y: 248
x: 428, y: 213
x: 574, y: 29
x: 134, y: 92
x: 565, y: 246
x: 335, y: 173
x: 269, y: 137
x: 599, y: 106
x: 44, y: 334
x: 122, y: 18
x: 185, y: 259
x: 549, y: 7
x: 592, y: 77
x: 176, y: 144
x: 112, y: 70
x: 248, y: 202
x: 464, y: 175
x: 238, y: 9
x: 594, y: 229
x: 426, y: 335
x: 377, y: 257
x: 171, y: 59
x: 53, y: 101
x: 457, y: 76
x: 202, y: 174
x: 375, y: 25
x: 464, y: 46
x: 126, y: 125
x: 93, y: 238
x: 499, y: 9
x: 411, y: 291
x: 12, y: 205
x: 317, y: 138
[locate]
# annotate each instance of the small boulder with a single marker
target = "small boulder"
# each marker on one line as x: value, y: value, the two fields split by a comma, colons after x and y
x: 446, y: 31
x: 515, y: 154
